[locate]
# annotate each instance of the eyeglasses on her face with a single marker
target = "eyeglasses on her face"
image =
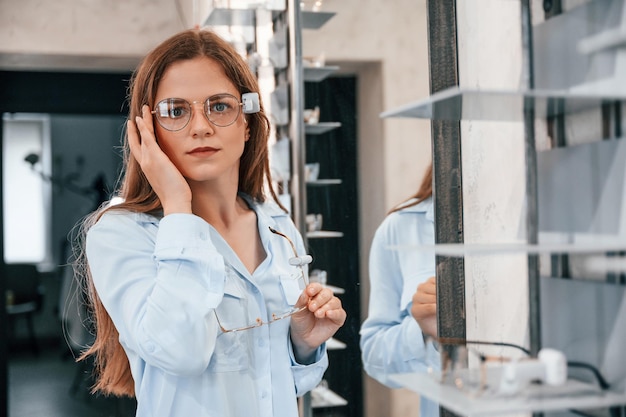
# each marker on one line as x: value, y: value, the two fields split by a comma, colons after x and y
x: 298, y: 277
x: 222, y: 110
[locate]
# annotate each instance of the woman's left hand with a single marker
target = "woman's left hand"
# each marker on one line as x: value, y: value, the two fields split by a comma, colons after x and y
x: 318, y: 322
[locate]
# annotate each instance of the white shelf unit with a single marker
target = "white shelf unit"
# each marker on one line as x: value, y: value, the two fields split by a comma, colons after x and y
x: 573, y: 395
x: 456, y: 104
x: 320, y: 128
x: 324, y: 182
x: 323, y: 234
x: 315, y: 20
x: 317, y: 74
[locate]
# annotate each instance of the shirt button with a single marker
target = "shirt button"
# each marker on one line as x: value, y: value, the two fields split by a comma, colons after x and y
x: 261, y: 342
x: 203, y: 236
x: 263, y: 394
x: 150, y: 347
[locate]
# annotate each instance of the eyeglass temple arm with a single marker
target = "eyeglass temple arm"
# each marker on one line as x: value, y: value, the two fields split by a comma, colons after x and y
x: 293, y: 247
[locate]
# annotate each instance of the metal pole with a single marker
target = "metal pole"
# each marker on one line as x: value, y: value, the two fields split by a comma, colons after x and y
x: 532, y: 219
x: 296, y: 132
x: 296, y: 127
x: 447, y: 173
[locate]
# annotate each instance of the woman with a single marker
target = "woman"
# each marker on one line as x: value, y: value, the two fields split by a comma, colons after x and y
x: 402, y: 304
x: 198, y: 292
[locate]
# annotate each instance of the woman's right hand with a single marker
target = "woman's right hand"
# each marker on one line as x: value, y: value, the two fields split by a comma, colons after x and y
x: 424, y: 308
x: 166, y: 180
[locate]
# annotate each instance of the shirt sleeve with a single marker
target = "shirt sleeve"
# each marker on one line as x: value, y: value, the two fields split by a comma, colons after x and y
x: 307, y: 377
x: 391, y: 340
x: 159, y: 291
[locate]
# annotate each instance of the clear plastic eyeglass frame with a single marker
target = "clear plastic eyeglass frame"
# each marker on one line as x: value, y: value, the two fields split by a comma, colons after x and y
x: 298, y: 262
x: 174, y: 114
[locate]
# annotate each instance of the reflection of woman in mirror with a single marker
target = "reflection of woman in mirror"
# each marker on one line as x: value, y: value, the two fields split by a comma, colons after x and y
x: 198, y: 282
x: 402, y: 304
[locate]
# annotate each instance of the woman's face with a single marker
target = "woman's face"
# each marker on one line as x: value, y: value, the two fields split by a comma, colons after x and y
x: 201, y: 150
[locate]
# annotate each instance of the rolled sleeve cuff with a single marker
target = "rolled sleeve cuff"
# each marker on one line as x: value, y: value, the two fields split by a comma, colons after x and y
x: 307, y: 377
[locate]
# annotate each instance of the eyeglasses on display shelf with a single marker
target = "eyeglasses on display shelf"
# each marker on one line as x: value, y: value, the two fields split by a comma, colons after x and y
x: 466, y: 367
x: 297, y: 279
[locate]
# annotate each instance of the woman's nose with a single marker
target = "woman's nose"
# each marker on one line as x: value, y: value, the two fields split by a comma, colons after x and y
x: 200, y: 124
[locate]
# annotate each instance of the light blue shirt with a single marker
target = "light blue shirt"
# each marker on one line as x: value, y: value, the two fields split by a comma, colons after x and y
x: 162, y: 280
x: 391, y: 340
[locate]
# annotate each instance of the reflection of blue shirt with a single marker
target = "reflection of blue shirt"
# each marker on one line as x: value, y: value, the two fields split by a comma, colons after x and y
x: 163, y: 280
x: 391, y: 340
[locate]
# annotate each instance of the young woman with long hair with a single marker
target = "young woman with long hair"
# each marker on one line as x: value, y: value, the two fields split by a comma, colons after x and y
x: 197, y: 281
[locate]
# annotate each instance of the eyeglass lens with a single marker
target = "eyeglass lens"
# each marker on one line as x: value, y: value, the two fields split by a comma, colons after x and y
x: 174, y: 113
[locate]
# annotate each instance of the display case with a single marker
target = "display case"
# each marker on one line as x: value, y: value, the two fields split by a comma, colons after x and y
x: 574, y: 204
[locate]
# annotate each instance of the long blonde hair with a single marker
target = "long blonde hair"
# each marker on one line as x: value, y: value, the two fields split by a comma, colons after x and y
x: 112, y: 369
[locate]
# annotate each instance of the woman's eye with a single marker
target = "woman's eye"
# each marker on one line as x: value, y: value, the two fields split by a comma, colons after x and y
x: 220, y: 107
x: 176, y: 112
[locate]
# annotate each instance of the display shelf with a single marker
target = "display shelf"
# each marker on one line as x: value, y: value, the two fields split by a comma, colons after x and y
x: 330, y: 181
x: 548, y: 244
x: 320, y: 128
x: 317, y: 74
x: 466, y: 104
x: 335, y: 290
x: 241, y: 17
x: 572, y: 395
x: 315, y: 20
x: 334, y: 344
x: 322, y: 397
x: 609, y: 39
x: 321, y: 234
x: 230, y: 17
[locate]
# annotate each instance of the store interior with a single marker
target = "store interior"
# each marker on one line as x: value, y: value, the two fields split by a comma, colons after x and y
x: 518, y: 103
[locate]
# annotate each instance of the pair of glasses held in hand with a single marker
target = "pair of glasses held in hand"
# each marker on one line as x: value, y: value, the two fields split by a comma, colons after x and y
x: 297, y: 262
x: 222, y: 110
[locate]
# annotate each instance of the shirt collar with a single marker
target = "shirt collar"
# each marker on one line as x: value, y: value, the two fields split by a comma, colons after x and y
x: 426, y: 207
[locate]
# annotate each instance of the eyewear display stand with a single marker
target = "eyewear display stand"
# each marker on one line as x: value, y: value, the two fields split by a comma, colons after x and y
x: 575, y: 202
x: 536, y: 398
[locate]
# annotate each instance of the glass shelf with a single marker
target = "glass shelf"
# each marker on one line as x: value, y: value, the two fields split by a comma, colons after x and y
x: 230, y: 17
x: 322, y: 397
x: 465, y: 104
x: 320, y: 128
x: 574, y: 395
x: 321, y: 234
x: 335, y: 290
x: 334, y: 344
x: 315, y: 20
x: 324, y: 182
x: 549, y: 243
x: 317, y: 74
x: 223, y: 16
x: 608, y: 39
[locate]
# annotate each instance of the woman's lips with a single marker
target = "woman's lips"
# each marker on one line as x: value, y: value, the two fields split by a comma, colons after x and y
x: 204, y: 151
